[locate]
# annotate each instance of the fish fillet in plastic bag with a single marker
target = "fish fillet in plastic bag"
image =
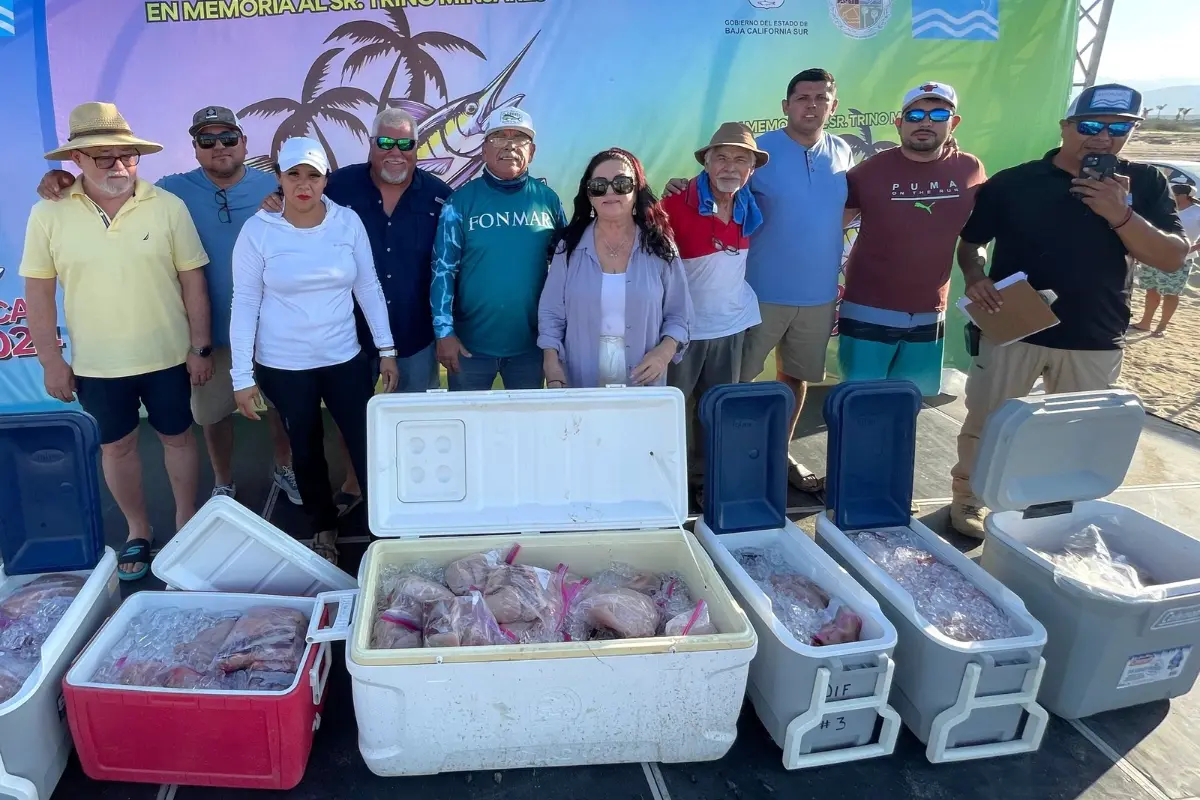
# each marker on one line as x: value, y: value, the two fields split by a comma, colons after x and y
x: 267, y: 638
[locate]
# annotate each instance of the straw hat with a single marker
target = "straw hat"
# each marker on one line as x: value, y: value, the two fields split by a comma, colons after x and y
x: 99, y: 125
x: 734, y: 134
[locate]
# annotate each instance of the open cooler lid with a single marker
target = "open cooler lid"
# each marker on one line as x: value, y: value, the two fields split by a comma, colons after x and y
x: 871, y: 453
x: 453, y: 463
x: 745, y: 428
x: 1057, y: 448
x: 50, y: 518
x: 226, y: 547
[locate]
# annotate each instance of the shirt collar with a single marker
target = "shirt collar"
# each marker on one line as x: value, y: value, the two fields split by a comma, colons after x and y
x: 588, y: 240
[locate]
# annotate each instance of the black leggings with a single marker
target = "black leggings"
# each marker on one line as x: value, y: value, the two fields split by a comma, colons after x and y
x: 297, y: 394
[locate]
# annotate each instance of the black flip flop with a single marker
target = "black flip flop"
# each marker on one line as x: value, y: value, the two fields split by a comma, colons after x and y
x: 135, y: 551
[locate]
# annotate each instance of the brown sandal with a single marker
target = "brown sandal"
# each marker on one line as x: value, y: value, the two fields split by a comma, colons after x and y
x: 326, y: 549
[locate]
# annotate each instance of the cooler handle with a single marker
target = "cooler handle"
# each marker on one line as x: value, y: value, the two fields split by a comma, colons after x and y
x: 318, y: 676
x: 339, y: 629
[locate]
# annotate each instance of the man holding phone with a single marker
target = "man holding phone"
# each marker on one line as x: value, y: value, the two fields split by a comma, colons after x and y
x: 1073, y: 222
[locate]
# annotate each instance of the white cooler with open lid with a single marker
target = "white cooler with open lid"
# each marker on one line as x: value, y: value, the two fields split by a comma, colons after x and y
x: 585, y: 477
x: 1043, y: 464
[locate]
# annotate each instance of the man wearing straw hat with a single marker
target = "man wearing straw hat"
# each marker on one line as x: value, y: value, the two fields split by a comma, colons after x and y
x: 129, y: 261
x: 713, y: 219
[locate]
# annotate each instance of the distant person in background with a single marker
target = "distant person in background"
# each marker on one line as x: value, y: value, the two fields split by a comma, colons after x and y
x: 129, y: 261
x: 1166, y: 287
x: 913, y: 201
x: 295, y: 278
x: 220, y: 195
x: 1033, y: 213
x: 797, y: 254
x: 490, y: 260
x: 615, y: 308
x: 712, y: 222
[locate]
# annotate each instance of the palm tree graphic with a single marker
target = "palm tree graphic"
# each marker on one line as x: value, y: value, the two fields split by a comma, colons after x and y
x: 332, y: 105
x: 380, y: 40
x: 864, y: 146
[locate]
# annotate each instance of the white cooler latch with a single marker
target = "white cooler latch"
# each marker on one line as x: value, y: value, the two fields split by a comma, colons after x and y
x: 339, y: 627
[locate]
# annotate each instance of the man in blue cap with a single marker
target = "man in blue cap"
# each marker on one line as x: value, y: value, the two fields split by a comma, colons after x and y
x: 1074, y: 234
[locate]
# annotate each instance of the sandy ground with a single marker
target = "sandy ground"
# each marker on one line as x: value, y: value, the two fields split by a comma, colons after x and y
x: 1163, y: 146
x: 1165, y: 372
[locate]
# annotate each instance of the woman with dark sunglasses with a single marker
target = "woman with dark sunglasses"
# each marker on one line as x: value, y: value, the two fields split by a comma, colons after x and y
x: 616, y: 307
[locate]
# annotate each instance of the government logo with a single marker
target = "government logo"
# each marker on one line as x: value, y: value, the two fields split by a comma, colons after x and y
x: 860, y: 19
x: 766, y: 3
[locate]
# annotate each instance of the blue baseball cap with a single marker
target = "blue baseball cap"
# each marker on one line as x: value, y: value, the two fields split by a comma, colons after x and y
x: 1107, y: 100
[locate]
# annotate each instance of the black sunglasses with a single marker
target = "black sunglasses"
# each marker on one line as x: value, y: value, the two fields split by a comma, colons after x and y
x: 1094, y: 127
x: 387, y: 143
x: 223, y: 213
x: 207, y: 141
x: 935, y: 115
x: 622, y: 184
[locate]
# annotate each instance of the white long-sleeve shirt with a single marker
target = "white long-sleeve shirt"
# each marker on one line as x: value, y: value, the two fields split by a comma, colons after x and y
x: 294, y: 291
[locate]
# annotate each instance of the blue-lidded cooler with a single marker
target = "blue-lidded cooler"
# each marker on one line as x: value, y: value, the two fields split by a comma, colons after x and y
x: 964, y: 700
x: 50, y: 522
x: 821, y: 705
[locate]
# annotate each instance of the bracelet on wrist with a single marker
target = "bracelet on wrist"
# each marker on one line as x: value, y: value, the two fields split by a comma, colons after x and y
x: 1124, y: 222
x: 389, y: 353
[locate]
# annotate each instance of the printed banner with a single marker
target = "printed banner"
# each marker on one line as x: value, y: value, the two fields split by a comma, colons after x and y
x: 654, y: 77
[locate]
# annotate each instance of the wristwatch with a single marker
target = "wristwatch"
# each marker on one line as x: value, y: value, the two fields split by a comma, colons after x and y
x: 388, y: 353
x: 203, y: 352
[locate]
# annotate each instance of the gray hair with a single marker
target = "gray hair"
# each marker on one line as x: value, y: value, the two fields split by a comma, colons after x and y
x: 393, y: 118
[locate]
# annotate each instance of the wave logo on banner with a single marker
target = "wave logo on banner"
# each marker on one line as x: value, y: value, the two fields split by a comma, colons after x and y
x: 7, y: 19
x: 970, y: 20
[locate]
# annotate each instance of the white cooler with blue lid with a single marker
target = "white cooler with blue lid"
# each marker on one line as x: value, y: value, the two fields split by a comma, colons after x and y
x: 964, y: 700
x: 585, y: 477
x: 50, y: 522
x: 821, y: 705
x: 1043, y: 464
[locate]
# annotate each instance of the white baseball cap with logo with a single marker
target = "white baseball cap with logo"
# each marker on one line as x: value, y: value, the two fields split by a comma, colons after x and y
x: 511, y: 118
x: 932, y: 90
x: 302, y: 150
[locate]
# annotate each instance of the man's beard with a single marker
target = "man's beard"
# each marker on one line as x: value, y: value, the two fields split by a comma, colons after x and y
x: 726, y: 185
x: 114, y: 185
x: 925, y: 145
x: 394, y: 175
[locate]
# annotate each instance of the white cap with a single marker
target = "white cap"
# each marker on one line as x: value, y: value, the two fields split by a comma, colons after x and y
x: 933, y: 89
x: 510, y: 118
x: 302, y: 150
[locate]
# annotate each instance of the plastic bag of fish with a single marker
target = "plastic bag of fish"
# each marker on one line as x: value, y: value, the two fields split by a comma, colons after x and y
x: 28, y: 615
x: 260, y: 649
x: 1090, y: 557
x: 493, y: 599
x: 808, y: 612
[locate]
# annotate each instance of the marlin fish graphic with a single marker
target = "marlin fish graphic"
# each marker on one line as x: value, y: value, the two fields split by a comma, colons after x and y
x: 450, y: 141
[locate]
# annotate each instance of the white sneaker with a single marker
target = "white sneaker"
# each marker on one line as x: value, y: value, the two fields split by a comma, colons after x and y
x: 285, y: 479
x: 225, y: 490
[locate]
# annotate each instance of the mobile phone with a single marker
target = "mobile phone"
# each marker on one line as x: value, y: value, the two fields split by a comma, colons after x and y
x: 972, y: 333
x: 1098, y: 166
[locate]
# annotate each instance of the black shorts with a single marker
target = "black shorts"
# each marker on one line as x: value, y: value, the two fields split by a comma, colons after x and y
x: 114, y: 402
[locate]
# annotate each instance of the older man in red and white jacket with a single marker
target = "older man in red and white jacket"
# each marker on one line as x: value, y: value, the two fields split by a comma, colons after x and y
x: 712, y: 221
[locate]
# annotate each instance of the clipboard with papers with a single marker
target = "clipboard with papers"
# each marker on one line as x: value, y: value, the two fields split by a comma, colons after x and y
x: 1024, y: 312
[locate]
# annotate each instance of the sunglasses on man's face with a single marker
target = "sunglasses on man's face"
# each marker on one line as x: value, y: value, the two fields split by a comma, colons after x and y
x: 622, y: 184
x: 1093, y: 127
x: 387, y: 143
x: 207, y: 141
x: 935, y: 115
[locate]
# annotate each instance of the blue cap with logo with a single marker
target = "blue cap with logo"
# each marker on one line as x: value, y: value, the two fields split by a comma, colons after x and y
x: 1107, y: 100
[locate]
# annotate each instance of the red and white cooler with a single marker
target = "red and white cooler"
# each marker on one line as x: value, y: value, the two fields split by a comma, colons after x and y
x: 226, y: 558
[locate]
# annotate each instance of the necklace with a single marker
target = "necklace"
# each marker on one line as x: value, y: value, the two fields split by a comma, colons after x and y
x: 614, y: 251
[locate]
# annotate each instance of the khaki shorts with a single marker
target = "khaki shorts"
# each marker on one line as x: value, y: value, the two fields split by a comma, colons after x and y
x: 800, y: 336
x: 214, y: 401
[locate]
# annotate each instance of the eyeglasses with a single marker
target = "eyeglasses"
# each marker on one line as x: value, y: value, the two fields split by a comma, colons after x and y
x: 207, y: 141
x: 721, y: 247
x: 622, y: 184
x: 1094, y: 127
x: 935, y: 115
x: 223, y: 212
x: 516, y: 142
x: 387, y: 143
x: 107, y: 162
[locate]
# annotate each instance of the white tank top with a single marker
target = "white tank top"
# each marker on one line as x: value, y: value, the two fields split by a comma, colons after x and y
x: 612, y: 305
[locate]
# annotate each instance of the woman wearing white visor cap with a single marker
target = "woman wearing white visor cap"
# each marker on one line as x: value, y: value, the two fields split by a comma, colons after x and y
x: 296, y: 275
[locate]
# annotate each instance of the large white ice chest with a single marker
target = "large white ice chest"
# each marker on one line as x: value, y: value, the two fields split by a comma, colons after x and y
x: 821, y: 705
x: 964, y: 700
x: 1043, y: 463
x: 585, y: 477
x: 50, y: 521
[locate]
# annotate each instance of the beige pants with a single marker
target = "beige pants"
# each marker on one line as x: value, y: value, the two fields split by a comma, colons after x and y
x: 999, y: 374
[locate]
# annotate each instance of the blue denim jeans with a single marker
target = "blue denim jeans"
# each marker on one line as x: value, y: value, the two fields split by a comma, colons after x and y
x: 418, y: 372
x: 478, y: 372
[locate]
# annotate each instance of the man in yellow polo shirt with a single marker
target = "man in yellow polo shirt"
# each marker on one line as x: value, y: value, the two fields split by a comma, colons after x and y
x: 128, y: 258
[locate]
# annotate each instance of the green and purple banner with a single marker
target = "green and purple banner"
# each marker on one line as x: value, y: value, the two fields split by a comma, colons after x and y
x: 653, y: 76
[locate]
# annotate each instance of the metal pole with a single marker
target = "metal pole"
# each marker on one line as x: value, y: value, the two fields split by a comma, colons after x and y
x: 1094, y: 16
